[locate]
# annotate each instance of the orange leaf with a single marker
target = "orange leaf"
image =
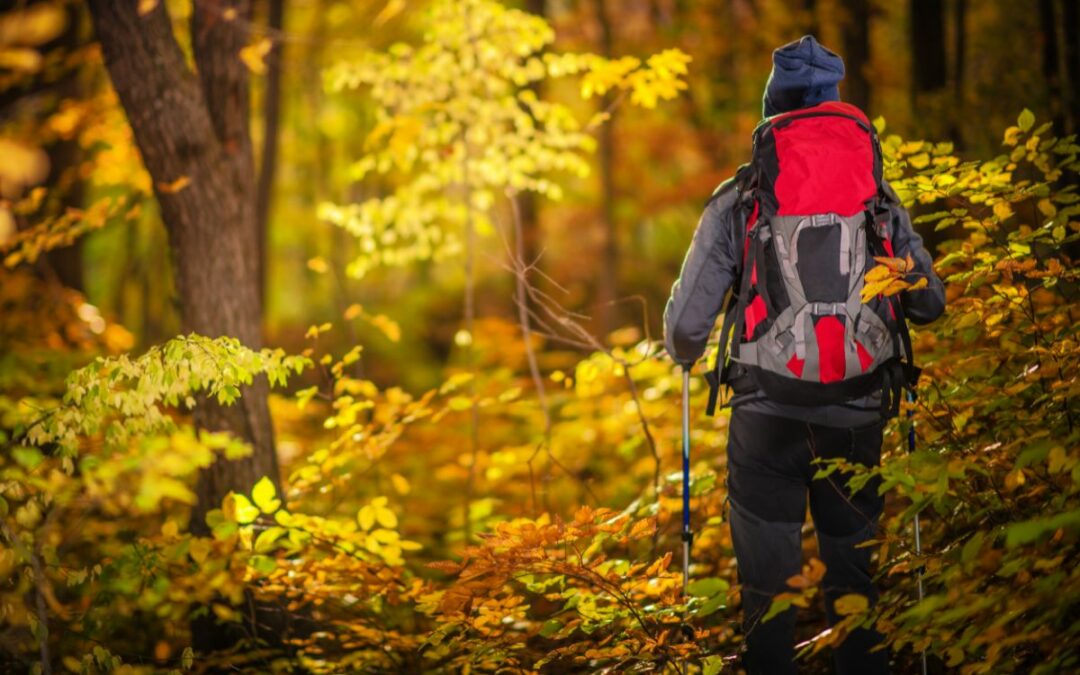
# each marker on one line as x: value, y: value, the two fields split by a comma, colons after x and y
x: 175, y: 186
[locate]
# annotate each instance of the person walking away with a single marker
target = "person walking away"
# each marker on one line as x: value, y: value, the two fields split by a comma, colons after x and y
x: 782, y: 248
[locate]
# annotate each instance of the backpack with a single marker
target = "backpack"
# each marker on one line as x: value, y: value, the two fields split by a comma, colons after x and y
x: 818, y: 214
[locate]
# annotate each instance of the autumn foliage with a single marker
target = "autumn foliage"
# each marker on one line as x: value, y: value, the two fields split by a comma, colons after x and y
x: 521, y: 515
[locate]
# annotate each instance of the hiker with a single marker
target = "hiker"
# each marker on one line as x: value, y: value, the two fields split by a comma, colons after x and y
x: 781, y: 249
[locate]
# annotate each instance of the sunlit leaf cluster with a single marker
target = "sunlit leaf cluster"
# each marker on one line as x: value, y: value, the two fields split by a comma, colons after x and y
x: 458, y: 124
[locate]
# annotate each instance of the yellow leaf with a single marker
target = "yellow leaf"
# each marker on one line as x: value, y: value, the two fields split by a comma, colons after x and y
x: 352, y: 311
x: 22, y: 59
x: 318, y: 265
x: 175, y: 186
x: 146, y: 6
x: 366, y: 517
x: 896, y: 264
x: 872, y: 289
x: 386, y: 517
x: 401, y: 485
x: 23, y: 165
x: 34, y: 25
x: 878, y: 273
x: 1002, y: 210
x: 242, y: 509
x: 919, y: 161
x: 7, y: 225
x: 389, y: 11
x: 264, y: 495
x: 387, y: 326
x: 199, y: 549
x: 254, y: 55
x: 852, y: 603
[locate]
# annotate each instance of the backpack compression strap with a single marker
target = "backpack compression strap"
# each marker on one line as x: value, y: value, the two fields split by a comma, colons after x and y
x: 718, y: 376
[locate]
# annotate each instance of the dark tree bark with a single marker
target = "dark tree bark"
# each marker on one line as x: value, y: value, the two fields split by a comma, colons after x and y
x: 1051, y: 63
x: 856, y: 32
x: 608, y: 281
x: 959, y: 65
x: 1065, y: 41
x: 196, y: 127
x: 928, y: 60
x: 271, y: 123
x: 67, y: 261
x: 1070, y: 34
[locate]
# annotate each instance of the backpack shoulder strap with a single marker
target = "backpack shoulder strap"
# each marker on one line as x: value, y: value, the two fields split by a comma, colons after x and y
x: 718, y: 375
x: 736, y: 182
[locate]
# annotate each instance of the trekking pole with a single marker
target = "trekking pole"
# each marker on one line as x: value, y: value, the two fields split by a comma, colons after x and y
x: 918, y: 534
x: 687, y: 535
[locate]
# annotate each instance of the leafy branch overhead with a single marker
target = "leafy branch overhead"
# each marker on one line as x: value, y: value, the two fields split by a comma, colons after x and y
x: 121, y: 398
x: 457, y: 124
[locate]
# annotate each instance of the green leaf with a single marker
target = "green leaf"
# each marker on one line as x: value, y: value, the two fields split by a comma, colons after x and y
x: 778, y: 606
x: 550, y: 627
x: 28, y: 457
x: 1030, y: 530
x: 972, y: 547
x: 718, y: 601
x: 263, y: 564
x: 706, y: 588
x: 1026, y: 120
x: 267, y: 538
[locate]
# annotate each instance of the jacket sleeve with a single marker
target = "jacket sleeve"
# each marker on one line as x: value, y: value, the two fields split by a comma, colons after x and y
x: 710, y: 267
x: 926, y: 304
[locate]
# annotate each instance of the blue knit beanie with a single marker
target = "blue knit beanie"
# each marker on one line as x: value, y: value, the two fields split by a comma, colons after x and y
x: 804, y: 74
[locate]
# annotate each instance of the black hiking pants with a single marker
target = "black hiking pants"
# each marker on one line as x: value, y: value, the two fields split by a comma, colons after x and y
x: 769, y: 475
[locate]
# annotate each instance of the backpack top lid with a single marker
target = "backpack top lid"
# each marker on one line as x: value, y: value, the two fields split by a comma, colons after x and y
x: 822, y: 159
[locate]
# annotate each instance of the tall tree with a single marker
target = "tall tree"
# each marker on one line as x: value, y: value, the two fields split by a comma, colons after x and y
x: 192, y: 131
x: 607, y: 288
x: 959, y: 65
x: 1059, y: 46
x: 856, y: 41
x: 928, y: 60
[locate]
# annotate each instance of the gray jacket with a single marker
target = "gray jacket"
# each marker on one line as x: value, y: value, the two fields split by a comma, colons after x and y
x: 713, y: 262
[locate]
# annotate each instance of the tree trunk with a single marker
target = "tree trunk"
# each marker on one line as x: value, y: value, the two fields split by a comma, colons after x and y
x: 195, y: 128
x: 609, y: 257
x: 928, y: 62
x: 271, y: 123
x: 857, y: 52
x: 959, y: 65
x: 1066, y: 44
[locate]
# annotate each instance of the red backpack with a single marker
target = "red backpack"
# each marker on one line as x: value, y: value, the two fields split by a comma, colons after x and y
x: 795, y: 321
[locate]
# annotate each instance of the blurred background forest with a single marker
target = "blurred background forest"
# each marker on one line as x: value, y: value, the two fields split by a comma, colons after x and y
x: 328, y: 221
x: 958, y: 71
